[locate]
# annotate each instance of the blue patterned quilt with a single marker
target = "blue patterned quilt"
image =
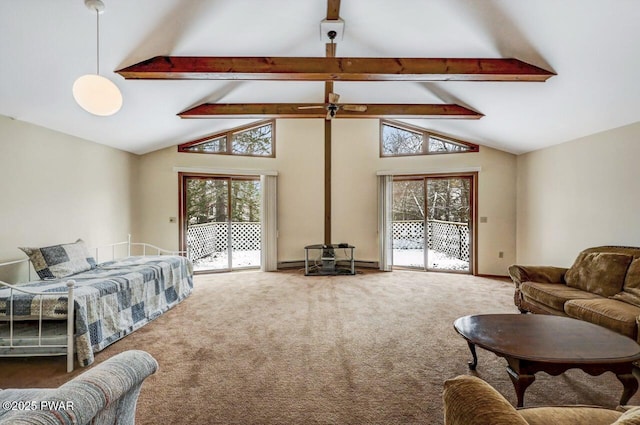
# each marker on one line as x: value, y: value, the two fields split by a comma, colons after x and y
x: 111, y: 301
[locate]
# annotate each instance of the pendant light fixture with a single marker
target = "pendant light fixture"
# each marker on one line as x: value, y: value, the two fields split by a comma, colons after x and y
x: 93, y: 92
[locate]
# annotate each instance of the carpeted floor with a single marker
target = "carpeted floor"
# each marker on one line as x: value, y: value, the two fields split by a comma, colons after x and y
x: 282, y: 348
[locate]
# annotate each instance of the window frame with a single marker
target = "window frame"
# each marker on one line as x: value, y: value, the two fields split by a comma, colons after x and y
x: 426, y: 134
x: 228, y: 134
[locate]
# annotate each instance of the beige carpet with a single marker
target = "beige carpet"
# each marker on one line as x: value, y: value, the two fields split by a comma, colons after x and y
x: 281, y: 348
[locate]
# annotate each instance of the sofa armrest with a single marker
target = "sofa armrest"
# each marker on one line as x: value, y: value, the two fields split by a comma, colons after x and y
x: 105, y: 392
x: 542, y: 274
x: 471, y: 401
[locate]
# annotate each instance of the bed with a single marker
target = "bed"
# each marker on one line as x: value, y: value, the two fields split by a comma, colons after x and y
x: 86, y: 311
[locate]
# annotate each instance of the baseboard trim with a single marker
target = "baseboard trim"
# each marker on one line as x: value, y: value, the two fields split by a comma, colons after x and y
x: 494, y: 276
x: 295, y: 264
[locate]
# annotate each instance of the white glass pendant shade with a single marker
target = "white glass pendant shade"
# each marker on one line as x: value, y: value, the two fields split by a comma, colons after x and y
x: 97, y: 95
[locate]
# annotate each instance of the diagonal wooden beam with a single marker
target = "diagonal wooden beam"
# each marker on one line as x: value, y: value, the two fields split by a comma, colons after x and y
x: 293, y: 110
x: 333, y: 69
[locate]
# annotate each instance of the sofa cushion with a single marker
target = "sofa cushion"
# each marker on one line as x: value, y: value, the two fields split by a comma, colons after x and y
x: 612, y: 314
x: 601, y: 273
x: 631, y: 288
x: 569, y: 415
x: 632, y: 279
x: 553, y: 295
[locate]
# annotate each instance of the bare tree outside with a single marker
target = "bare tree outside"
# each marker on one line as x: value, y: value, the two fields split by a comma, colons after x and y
x: 400, y: 141
x: 397, y: 141
x: 448, y: 199
x: 247, y: 141
x: 255, y: 141
x: 408, y: 200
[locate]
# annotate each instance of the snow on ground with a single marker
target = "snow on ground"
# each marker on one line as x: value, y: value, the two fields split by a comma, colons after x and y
x: 220, y: 260
x: 401, y: 257
x: 437, y: 260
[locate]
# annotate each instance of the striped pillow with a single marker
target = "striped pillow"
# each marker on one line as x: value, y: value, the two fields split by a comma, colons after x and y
x: 60, y: 261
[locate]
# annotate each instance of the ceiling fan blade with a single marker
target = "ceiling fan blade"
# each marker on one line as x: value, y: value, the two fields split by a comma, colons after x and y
x: 292, y: 110
x: 355, y: 108
x: 333, y: 98
x: 312, y: 107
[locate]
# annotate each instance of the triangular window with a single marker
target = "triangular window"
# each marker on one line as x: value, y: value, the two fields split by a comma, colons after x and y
x: 254, y: 140
x: 398, y: 139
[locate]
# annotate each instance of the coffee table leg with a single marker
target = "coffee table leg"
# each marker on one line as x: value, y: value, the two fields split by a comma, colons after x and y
x: 520, y: 383
x: 474, y: 363
x: 630, y: 384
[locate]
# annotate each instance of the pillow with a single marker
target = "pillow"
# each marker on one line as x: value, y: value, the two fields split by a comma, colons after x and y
x: 60, y: 261
x: 631, y: 288
x: 633, y: 275
x: 600, y: 273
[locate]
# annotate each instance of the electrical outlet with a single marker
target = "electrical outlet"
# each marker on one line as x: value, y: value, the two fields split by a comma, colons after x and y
x: 500, y: 254
x: 172, y: 219
x: 483, y: 219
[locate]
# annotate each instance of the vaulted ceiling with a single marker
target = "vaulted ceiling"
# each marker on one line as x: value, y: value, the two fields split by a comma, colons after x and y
x: 591, y: 45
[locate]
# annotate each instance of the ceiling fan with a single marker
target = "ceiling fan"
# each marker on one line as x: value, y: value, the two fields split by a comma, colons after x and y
x: 333, y: 107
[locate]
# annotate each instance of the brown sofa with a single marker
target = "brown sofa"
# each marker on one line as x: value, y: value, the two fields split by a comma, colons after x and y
x: 471, y: 401
x: 602, y: 287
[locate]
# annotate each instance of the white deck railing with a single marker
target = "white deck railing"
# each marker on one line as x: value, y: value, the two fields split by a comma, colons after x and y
x: 449, y: 237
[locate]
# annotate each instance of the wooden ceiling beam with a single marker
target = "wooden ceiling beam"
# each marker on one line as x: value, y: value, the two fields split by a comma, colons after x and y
x: 292, y: 110
x: 333, y: 69
x: 333, y: 10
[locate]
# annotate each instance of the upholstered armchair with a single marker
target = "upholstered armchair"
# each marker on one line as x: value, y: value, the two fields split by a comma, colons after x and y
x: 104, y: 394
x: 471, y: 401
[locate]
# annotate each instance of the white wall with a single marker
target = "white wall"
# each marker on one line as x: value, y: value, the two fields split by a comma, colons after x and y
x: 299, y: 163
x: 56, y: 188
x: 579, y: 194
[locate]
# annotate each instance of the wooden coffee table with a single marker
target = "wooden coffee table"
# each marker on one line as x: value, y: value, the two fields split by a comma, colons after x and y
x: 539, y: 343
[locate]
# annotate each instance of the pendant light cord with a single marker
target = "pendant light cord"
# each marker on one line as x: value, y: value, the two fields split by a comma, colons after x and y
x: 97, y: 42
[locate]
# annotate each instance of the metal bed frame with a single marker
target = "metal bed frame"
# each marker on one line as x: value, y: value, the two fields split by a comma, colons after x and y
x: 40, y: 349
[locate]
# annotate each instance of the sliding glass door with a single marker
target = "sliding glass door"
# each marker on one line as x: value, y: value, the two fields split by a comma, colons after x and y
x: 432, y: 222
x: 220, y: 217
